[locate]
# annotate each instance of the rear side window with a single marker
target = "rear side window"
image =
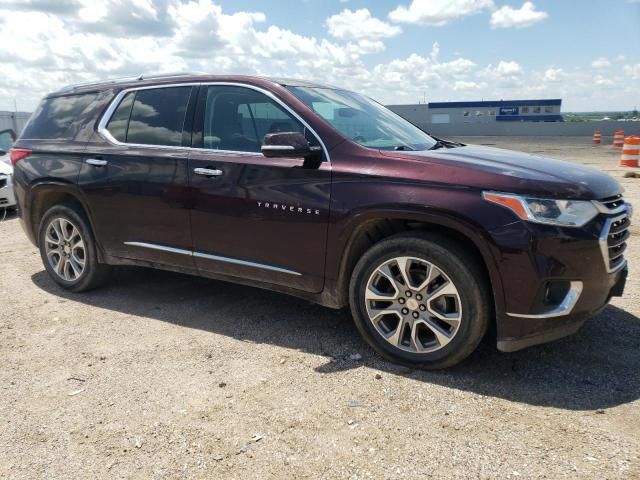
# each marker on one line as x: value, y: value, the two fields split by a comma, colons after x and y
x: 56, y: 115
x: 157, y: 116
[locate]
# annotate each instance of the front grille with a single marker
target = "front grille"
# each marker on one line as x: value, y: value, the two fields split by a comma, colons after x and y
x: 613, y: 240
x: 611, y: 203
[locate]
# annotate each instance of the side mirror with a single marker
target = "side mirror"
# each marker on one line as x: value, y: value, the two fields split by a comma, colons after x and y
x: 286, y: 144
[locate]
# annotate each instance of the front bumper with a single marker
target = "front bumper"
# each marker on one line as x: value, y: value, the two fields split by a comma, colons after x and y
x: 7, y: 197
x: 554, y: 278
x: 542, y: 330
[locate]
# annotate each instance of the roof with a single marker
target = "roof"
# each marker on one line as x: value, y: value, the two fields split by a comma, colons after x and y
x: 182, y: 77
x: 497, y: 103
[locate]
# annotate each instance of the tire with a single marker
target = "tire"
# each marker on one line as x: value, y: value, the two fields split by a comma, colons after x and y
x: 64, y: 236
x: 440, y: 319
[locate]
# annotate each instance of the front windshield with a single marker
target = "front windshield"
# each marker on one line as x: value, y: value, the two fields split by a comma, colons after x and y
x: 363, y: 120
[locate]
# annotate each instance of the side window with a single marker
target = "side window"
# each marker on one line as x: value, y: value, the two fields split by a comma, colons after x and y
x: 157, y: 116
x: 55, y: 116
x: 119, y: 121
x: 237, y: 119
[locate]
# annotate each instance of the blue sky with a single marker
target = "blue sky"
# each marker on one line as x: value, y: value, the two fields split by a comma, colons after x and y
x: 574, y: 33
x: 586, y: 52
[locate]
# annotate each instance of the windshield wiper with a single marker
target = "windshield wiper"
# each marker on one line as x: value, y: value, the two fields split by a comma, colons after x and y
x: 438, y: 144
x: 445, y: 144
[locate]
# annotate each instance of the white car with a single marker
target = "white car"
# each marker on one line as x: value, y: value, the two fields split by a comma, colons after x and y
x: 7, y: 197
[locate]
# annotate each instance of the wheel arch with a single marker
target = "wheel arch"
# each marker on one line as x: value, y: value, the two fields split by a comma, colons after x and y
x: 365, y: 229
x: 45, y: 195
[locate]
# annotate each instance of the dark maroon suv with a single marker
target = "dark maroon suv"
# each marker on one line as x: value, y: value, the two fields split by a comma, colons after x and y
x: 324, y: 194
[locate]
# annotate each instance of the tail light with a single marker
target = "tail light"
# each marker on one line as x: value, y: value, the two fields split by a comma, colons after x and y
x: 17, y: 154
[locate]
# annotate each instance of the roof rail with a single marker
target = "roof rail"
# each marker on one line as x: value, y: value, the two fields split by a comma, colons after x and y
x: 128, y: 79
x: 74, y: 86
x: 168, y: 75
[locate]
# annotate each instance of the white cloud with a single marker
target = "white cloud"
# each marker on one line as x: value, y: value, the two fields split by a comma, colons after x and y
x: 435, y: 51
x: 202, y: 28
x: 507, y: 69
x: 554, y: 75
x: 601, y: 63
x: 462, y: 85
x: 633, y: 71
x: 438, y: 12
x: 82, y: 40
x: 525, y: 16
x: 507, y: 74
x: 601, y: 81
x: 410, y: 77
x: 359, y: 24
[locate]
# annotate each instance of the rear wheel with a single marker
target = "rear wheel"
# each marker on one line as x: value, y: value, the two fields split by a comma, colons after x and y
x: 420, y: 299
x: 68, y: 250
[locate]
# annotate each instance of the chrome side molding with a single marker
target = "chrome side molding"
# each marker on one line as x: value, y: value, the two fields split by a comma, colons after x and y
x: 245, y: 263
x: 154, y: 246
x: 217, y: 258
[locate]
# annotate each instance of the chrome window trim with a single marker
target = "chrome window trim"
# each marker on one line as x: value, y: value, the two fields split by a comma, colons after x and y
x: 564, y: 308
x: 102, y: 125
x: 104, y: 120
x: 604, y: 242
x: 235, y: 261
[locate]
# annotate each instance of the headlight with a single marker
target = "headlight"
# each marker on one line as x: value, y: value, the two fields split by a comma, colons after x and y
x: 566, y: 213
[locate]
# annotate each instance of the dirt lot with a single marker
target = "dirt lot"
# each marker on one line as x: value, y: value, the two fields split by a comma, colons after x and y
x: 161, y: 375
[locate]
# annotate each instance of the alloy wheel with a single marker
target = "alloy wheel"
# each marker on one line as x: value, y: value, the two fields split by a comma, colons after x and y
x: 413, y: 304
x: 65, y: 249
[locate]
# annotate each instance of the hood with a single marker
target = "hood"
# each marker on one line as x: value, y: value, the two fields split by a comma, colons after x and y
x: 518, y: 172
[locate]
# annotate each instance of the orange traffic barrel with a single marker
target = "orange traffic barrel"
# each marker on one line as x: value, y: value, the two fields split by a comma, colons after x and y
x: 597, y: 136
x: 630, y: 152
x: 618, y: 138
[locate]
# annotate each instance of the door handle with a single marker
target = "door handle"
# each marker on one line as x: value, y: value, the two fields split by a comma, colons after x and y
x: 207, y: 172
x: 96, y: 162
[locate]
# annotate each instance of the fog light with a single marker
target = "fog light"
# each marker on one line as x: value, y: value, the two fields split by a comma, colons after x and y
x: 555, y: 291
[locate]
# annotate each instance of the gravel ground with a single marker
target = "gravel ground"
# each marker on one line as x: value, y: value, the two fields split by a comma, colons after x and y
x: 161, y: 375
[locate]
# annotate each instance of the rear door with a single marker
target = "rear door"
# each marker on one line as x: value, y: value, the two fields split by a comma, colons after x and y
x: 255, y: 217
x: 135, y: 176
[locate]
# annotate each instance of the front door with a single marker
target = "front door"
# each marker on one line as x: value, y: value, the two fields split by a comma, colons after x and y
x: 255, y: 217
x: 135, y: 179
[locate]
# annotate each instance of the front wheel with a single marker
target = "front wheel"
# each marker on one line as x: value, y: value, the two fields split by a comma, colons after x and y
x: 420, y: 299
x: 68, y: 250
